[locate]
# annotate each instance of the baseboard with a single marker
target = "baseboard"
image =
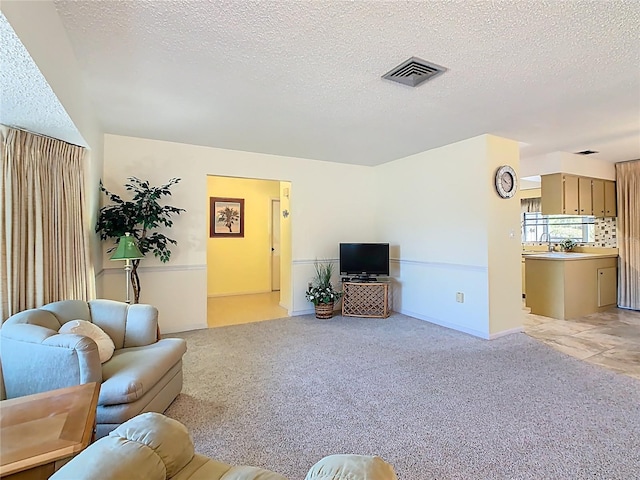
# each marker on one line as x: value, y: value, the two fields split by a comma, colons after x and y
x: 504, y: 333
x: 217, y: 295
x: 452, y: 326
x: 183, y: 328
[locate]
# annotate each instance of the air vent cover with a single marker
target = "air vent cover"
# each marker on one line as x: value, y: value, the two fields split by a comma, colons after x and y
x: 586, y: 152
x: 414, y: 71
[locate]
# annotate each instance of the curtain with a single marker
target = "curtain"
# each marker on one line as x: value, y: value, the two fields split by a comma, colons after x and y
x: 628, y: 197
x: 44, y: 242
x: 528, y: 205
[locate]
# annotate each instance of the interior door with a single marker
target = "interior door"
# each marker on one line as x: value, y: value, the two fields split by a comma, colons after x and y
x: 275, y: 245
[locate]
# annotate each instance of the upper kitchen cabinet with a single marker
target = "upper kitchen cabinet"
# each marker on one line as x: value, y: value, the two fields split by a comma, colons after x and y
x: 585, y: 199
x: 597, y: 195
x: 559, y: 194
x: 573, y: 195
x: 610, y: 199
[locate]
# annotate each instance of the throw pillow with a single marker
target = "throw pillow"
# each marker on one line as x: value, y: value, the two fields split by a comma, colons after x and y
x: 351, y: 467
x: 95, y: 333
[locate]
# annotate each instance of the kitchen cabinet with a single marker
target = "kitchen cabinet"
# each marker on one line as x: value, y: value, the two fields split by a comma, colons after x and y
x: 573, y: 195
x: 570, y: 285
x: 585, y: 202
x: 559, y: 194
x: 610, y: 198
x: 607, y: 286
x: 597, y: 196
x: 603, y: 193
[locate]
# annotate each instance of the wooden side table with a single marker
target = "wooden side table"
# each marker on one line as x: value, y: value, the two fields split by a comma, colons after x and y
x: 38, y: 430
x: 365, y: 299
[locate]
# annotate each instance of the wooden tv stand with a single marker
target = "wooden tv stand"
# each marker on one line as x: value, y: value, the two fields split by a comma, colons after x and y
x: 365, y: 299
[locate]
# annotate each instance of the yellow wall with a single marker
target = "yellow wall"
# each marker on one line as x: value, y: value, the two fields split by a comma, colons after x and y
x: 531, y: 193
x: 504, y: 248
x: 242, y: 265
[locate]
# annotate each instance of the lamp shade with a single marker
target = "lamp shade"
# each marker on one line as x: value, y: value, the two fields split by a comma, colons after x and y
x: 127, y: 249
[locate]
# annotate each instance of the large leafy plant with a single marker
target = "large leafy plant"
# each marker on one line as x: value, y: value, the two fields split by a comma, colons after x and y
x: 141, y: 217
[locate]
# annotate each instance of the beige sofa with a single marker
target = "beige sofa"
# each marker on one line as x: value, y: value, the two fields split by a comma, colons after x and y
x: 143, y: 375
x: 154, y: 447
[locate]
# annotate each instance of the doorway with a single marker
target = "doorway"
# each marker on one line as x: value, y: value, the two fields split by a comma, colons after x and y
x: 247, y: 274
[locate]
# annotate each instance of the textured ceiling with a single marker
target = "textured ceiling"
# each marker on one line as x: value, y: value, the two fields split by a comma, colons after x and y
x: 302, y: 78
x: 26, y: 99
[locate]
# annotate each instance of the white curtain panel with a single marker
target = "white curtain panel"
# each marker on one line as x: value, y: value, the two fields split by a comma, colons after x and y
x: 628, y: 188
x: 44, y: 247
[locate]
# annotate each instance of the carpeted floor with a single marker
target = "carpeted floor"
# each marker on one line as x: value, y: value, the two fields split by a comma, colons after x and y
x: 435, y: 403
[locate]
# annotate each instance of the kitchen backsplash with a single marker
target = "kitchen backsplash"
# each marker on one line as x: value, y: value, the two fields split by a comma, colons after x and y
x: 606, y: 232
x: 605, y: 235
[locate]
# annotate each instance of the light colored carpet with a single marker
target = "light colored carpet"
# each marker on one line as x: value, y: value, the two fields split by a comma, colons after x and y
x: 435, y: 403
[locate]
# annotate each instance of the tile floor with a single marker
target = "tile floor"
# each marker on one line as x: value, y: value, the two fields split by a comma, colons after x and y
x: 237, y: 309
x: 610, y: 339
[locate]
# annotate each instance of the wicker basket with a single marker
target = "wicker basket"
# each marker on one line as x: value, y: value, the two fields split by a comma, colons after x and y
x: 324, y: 310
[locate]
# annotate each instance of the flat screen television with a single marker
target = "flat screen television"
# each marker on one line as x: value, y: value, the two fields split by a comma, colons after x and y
x: 364, y: 260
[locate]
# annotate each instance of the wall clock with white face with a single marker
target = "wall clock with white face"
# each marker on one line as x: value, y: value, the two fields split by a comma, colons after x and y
x: 506, y: 181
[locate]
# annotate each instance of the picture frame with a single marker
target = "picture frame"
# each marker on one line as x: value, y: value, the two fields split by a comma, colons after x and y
x: 226, y: 217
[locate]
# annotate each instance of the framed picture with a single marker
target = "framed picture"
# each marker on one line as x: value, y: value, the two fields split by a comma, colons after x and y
x: 227, y: 217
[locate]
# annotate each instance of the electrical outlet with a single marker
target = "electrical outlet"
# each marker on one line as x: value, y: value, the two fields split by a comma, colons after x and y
x: 459, y: 297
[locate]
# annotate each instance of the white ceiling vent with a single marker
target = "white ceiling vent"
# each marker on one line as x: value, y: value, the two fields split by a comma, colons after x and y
x: 414, y: 71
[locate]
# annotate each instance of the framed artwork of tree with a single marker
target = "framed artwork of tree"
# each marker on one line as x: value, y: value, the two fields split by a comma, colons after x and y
x: 227, y: 217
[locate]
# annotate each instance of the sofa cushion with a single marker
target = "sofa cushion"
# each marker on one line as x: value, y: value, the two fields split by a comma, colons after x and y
x: 113, y: 458
x: 168, y: 438
x: 110, y: 316
x: 95, y: 333
x: 351, y: 467
x: 202, y: 468
x: 132, y: 372
x: 67, y: 310
x: 244, y: 472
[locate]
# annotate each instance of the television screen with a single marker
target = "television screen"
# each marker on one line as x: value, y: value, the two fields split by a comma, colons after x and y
x: 364, y: 259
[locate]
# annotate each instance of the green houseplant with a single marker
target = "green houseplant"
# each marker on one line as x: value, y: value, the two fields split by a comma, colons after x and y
x: 321, y: 292
x: 568, y: 245
x: 139, y: 217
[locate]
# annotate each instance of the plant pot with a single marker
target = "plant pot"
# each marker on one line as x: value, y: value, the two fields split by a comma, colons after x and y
x: 324, y: 310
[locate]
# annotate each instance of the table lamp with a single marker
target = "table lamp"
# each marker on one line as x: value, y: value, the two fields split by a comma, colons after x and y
x: 127, y: 250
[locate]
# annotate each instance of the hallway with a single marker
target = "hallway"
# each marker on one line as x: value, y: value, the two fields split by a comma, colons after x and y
x: 237, y: 309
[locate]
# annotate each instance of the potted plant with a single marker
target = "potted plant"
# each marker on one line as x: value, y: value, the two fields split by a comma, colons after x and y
x: 568, y: 245
x: 139, y: 217
x: 321, y: 292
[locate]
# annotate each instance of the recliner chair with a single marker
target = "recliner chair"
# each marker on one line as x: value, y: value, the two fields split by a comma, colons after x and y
x: 143, y: 375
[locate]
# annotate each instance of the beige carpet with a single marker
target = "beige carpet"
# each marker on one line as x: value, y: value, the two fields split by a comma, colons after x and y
x: 436, y: 403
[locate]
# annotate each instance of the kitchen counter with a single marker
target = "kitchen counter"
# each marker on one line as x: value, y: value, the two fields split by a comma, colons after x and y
x: 566, y: 255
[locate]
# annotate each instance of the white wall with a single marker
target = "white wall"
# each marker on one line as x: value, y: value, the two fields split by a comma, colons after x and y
x: 40, y: 30
x: 330, y: 202
x: 437, y: 211
x: 563, y: 162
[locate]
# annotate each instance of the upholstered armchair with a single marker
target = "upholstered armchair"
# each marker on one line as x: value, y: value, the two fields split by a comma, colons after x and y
x: 144, y: 374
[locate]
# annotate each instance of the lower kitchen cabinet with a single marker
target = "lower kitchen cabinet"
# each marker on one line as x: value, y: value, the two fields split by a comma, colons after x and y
x: 570, y: 285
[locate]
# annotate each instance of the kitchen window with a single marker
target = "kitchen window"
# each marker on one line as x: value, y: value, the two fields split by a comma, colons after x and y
x: 556, y: 228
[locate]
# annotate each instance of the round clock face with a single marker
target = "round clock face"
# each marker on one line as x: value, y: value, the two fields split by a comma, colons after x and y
x: 506, y: 181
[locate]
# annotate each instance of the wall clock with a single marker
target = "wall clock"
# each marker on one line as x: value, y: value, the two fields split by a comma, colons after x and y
x: 506, y: 181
